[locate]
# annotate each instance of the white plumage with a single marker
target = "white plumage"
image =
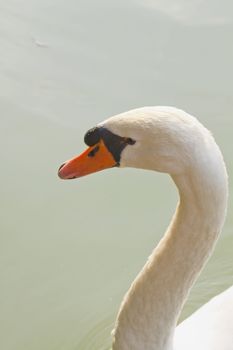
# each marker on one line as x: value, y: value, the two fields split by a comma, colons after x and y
x: 169, y: 140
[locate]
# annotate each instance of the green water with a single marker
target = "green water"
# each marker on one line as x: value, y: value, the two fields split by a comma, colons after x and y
x: 69, y: 250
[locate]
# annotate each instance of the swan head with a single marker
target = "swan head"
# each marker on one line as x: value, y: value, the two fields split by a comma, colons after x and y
x: 164, y: 139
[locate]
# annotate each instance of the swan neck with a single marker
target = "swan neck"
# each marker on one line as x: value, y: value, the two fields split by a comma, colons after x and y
x: 151, y: 308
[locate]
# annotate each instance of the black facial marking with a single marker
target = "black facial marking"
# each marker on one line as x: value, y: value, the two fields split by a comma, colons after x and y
x: 92, y: 137
x: 93, y: 152
x: 115, y: 143
x: 130, y: 141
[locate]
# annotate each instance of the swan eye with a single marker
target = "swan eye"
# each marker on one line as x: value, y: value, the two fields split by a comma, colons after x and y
x: 130, y: 141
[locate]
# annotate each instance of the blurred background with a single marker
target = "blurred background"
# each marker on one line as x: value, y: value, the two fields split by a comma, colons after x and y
x: 69, y: 250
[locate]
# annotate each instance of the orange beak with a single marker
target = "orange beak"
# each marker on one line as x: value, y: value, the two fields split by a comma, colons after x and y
x: 94, y: 159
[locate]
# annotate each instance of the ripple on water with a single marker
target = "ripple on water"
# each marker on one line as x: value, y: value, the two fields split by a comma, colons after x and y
x: 99, y: 337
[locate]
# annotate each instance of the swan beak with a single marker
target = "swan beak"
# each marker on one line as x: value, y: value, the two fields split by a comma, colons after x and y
x: 94, y: 159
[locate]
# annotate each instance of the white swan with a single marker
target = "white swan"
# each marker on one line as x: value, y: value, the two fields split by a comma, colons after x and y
x: 168, y: 140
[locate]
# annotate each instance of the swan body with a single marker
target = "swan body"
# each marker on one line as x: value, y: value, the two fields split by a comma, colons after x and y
x: 168, y: 140
x: 210, y: 327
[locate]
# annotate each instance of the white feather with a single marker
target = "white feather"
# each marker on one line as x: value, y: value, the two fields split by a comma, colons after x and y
x: 172, y: 141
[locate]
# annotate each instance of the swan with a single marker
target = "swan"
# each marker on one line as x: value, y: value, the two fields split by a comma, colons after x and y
x: 168, y: 140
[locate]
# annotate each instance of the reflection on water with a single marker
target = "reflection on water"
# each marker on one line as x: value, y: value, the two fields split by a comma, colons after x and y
x: 65, y: 67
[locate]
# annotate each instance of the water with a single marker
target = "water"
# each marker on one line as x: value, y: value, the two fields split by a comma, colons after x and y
x: 69, y: 250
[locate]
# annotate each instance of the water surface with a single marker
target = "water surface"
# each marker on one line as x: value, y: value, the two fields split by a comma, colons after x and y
x: 69, y: 250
